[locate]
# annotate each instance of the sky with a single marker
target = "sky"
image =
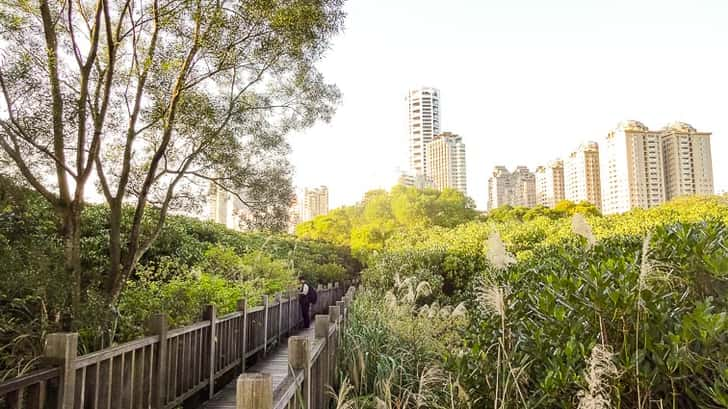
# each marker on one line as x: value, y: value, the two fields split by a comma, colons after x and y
x: 522, y: 81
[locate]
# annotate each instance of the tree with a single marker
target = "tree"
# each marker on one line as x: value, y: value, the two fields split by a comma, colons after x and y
x: 153, y: 101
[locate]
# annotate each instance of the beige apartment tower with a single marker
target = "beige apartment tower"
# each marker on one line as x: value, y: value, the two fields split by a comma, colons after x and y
x: 645, y: 168
x: 315, y: 203
x: 225, y: 208
x: 514, y: 189
x: 633, y: 168
x: 446, y: 162
x: 424, y: 124
x: 500, y: 191
x: 581, y: 175
x: 550, y: 183
x: 688, y: 161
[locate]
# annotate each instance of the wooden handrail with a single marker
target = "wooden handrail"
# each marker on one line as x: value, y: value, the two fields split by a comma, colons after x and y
x: 312, y: 364
x: 162, y: 370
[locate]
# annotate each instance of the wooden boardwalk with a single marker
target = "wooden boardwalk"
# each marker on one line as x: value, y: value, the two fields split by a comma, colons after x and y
x: 275, y: 364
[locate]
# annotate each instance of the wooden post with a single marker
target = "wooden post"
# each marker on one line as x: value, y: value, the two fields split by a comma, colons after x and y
x: 254, y: 391
x: 280, y: 317
x: 321, y: 331
x: 334, y: 319
x: 299, y: 357
x: 209, y: 314
x: 243, y: 307
x: 61, y: 348
x: 342, y: 308
x: 265, y: 324
x: 158, y: 326
x: 291, y: 318
x: 334, y: 314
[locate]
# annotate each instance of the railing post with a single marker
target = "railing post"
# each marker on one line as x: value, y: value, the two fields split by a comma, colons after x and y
x: 265, y: 324
x: 209, y: 314
x: 334, y: 314
x: 254, y: 391
x: 243, y: 307
x: 299, y: 357
x: 317, y: 308
x: 334, y: 319
x: 61, y: 348
x: 342, y: 308
x: 321, y: 331
x: 280, y: 316
x: 158, y: 326
x: 291, y: 319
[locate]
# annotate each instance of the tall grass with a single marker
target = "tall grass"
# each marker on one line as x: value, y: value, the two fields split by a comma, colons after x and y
x: 392, y: 352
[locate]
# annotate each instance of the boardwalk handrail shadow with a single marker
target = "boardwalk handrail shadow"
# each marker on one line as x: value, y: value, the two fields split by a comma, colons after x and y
x: 166, y: 368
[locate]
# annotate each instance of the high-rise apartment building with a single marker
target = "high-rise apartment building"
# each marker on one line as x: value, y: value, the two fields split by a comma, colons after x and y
x: 523, y: 182
x: 581, y: 175
x: 644, y: 168
x: 424, y: 124
x: 446, y: 162
x: 500, y: 190
x: 688, y: 161
x: 513, y: 189
x: 226, y: 209
x: 418, y: 181
x: 315, y: 203
x: 633, y: 168
x: 550, y: 183
x: 294, y: 215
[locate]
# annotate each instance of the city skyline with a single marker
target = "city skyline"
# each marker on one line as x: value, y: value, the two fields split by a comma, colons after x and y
x: 522, y: 92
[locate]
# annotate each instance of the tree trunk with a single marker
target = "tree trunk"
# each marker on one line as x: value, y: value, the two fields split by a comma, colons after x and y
x: 116, y: 273
x: 70, y: 216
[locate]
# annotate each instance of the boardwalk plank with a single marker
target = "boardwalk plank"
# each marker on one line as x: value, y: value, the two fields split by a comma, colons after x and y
x: 275, y: 364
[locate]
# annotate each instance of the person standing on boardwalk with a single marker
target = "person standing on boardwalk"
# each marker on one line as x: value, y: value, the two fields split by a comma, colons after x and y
x: 306, y: 297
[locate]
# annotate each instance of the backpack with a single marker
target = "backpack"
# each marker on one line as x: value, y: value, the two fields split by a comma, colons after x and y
x: 312, y: 296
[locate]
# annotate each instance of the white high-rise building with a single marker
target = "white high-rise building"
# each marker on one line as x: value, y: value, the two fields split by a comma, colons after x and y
x: 424, y: 124
x: 581, y: 175
x: 550, y: 183
x: 633, y: 168
x: 446, y: 162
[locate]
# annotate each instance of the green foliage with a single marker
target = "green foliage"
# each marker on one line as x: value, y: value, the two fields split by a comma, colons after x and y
x: 391, y: 355
x: 182, y: 299
x: 662, y: 313
x: 368, y: 226
x: 196, y: 261
x: 562, y: 303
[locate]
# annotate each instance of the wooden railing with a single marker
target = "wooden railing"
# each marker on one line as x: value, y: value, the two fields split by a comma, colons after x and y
x: 167, y: 367
x: 312, y: 368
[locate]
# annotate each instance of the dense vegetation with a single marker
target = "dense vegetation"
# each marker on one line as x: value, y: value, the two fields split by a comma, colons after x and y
x: 191, y: 264
x: 565, y: 308
x: 367, y: 226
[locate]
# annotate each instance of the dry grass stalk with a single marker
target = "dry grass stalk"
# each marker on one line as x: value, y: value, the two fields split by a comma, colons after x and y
x: 390, y: 299
x: 492, y: 299
x: 580, y: 226
x: 496, y: 252
x: 460, y: 311
x: 423, y: 289
x: 600, y: 370
x: 341, y: 399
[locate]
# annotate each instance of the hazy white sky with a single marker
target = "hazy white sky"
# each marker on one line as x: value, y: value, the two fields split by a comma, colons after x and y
x: 523, y: 81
